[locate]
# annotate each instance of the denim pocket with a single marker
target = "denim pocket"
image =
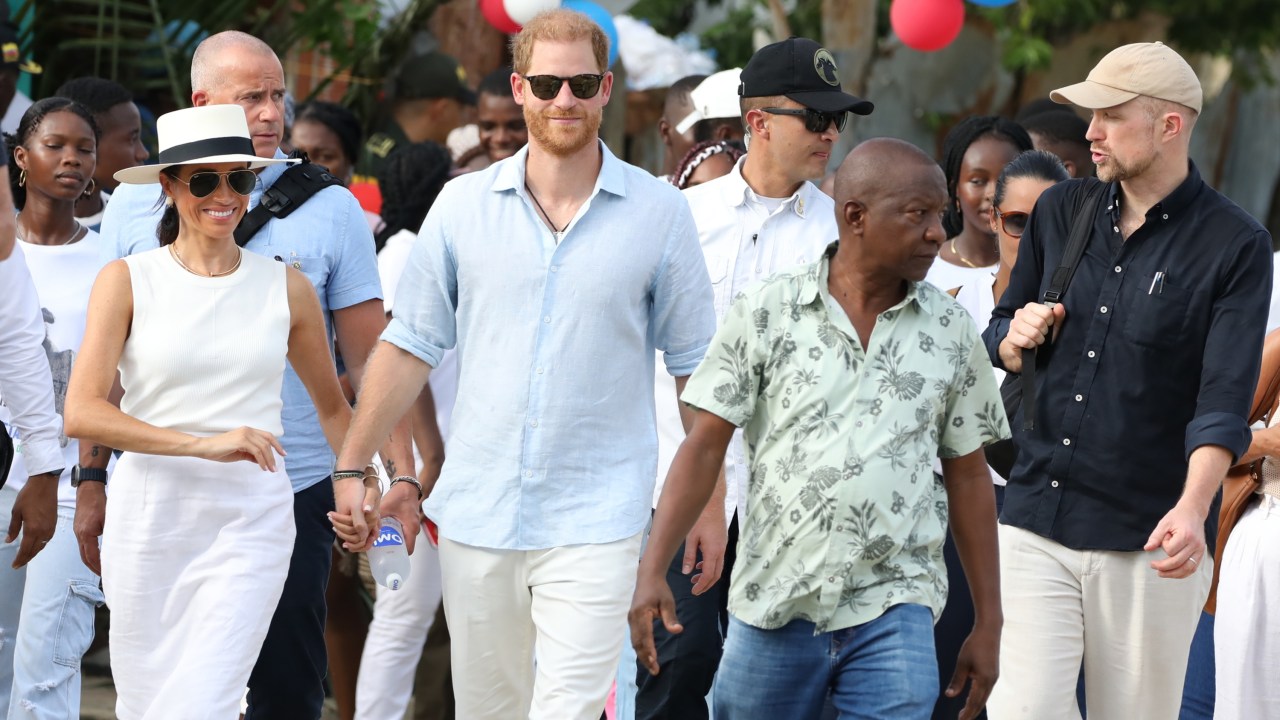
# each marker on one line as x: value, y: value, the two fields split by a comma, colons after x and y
x: 75, y: 623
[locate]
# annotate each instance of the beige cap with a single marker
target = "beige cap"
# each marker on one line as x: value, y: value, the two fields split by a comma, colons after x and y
x: 1151, y: 69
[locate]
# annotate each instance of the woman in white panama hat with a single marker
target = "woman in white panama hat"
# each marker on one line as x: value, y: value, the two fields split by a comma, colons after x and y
x: 199, y: 527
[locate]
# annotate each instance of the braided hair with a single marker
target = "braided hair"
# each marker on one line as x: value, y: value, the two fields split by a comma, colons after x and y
x: 698, y: 154
x: 964, y: 134
x: 410, y: 180
x: 97, y: 94
x: 338, y: 119
x: 31, y: 120
x: 1037, y: 164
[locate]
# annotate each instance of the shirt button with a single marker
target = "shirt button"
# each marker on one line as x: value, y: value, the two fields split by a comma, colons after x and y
x: 546, y: 319
x: 1104, y: 309
x: 1093, y: 354
x: 1054, y: 483
x: 528, y: 473
x: 1066, y: 441
x: 1079, y: 398
x: 1117, y: 268
x: 839, y: 528
x: 533, y: 423
x: 1115, y: 228
x: 1165, y: 216
x: 831, y: 579
x: 555, y: 268
x: 539, y: 371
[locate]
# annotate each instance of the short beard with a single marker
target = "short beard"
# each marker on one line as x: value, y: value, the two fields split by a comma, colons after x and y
x: 563, y: 142
x: 1113, y: 170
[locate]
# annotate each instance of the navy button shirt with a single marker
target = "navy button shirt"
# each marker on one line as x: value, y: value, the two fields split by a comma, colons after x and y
x: 1159, y: 354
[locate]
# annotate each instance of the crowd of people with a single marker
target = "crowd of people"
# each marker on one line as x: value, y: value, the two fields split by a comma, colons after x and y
x: 907, y: 439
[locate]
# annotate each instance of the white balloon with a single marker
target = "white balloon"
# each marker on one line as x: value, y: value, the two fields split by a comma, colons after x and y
x: 522, y: 11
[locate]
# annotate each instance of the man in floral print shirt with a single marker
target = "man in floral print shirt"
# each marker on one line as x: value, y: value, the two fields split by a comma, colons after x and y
x: 848, y: 376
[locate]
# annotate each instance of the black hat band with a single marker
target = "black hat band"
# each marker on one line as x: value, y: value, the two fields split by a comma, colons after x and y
x: 209, y: 147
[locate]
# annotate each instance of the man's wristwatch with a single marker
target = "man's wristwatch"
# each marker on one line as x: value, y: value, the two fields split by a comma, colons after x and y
x: 83, y: 474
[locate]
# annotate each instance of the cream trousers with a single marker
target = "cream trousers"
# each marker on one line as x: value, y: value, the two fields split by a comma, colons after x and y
x: 1131, y: 628
x: 536, y: 633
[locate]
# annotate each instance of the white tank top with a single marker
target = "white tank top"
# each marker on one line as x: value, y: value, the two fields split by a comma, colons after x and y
x: 205, y: 355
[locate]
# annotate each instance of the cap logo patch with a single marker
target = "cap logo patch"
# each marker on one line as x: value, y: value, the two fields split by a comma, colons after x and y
x: 826, y: 67
x: 10, y: 51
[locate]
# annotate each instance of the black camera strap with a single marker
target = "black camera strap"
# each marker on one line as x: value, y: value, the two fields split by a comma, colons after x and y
x: 1087, y: 201
x: 298, y: 184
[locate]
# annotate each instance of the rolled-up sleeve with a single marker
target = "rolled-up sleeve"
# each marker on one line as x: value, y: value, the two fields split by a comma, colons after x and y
x: 26, y: 383
x: 684, y: 318
x: 426, y: 301
x: 1024, y: 280
x: 1233, y: 351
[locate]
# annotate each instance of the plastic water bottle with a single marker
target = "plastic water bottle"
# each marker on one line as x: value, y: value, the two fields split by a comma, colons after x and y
x: 388, y: 558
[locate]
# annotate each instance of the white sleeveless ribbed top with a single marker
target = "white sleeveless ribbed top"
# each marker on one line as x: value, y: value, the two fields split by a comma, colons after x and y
x: 205, y: 355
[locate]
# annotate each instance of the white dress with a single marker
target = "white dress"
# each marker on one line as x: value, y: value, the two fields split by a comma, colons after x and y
x: 195, y: 552
x: 946, y: 276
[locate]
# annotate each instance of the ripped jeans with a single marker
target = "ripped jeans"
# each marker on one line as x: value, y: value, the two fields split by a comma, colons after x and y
x: 46, y: 623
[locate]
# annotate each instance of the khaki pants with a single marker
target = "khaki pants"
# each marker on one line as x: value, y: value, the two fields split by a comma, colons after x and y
x: 1132, y: 629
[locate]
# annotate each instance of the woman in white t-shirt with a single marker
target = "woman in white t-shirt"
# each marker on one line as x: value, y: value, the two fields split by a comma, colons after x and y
x: 1017, y: 188
x: 974, y: 153
x: 54, y: 153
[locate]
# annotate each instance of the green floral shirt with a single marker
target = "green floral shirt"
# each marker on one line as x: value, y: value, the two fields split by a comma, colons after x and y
x: 844, y: 516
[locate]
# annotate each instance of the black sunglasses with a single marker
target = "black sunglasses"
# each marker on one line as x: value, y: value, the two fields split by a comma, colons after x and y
x: 815, y: 121
x: 1013, y: 223
x: 202, y: 184
x: 547, y: 87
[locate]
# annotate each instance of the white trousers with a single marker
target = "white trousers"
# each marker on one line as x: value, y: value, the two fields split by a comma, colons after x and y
x: 1131, y: 628
x: 393, y: 647
x: 1246, y: 631
x: 536, y: 633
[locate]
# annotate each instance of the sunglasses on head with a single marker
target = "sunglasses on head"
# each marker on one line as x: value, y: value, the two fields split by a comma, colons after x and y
x: 815, y: 121
x: 547, y: 87
x: 1013, y: 223
x: 203, y: 184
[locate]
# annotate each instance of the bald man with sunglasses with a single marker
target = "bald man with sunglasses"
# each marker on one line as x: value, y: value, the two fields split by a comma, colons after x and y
x: 764, y: 216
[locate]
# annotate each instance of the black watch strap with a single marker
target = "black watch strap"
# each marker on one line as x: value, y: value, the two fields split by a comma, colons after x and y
x: 83, y: 474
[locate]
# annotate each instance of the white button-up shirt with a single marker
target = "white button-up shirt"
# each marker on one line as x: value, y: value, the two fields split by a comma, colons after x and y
x: 742, y: 243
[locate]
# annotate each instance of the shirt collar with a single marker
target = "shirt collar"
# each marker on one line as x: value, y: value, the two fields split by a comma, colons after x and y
x: 510, y: 175
x: 813, y: 286
x: 271, y: 173
x: 1173, y: 203
x: 737, y: 193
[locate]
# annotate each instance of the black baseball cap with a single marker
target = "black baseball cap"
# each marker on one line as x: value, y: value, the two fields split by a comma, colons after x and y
x: 432, y: 75
x: 802, y: 70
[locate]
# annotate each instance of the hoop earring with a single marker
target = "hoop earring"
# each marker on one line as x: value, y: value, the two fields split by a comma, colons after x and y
x: 22, y: 178
x: 88, y: 191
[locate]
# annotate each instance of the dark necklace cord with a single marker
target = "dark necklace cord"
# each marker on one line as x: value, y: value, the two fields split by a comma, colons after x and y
x: 545, y: 216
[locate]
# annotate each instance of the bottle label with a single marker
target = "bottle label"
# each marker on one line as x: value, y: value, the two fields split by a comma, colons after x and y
x: 387, y: 537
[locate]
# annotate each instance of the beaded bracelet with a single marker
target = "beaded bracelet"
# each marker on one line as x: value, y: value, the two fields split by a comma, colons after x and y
x: 347, y: 475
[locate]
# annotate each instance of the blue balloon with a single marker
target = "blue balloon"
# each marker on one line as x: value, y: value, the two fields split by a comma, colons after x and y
x: 601, y: 18
x: 993, y: 3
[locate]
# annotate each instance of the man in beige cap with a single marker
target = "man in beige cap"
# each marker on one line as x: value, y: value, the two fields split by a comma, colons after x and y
x: 1102, y: 536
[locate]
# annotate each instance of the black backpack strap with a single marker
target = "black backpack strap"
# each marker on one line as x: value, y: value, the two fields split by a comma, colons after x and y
x: 289, y: 192
x: 1087, y: 201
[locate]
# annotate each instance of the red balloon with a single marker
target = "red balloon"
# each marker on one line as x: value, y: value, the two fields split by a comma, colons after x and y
x: 927, y: 25
x: 495, y: 11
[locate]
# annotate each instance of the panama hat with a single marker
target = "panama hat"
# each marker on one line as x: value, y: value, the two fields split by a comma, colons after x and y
x: 204, y: 135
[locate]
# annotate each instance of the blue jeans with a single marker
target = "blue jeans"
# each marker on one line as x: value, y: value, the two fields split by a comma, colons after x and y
x: 1199, y: 690
x: 56, y: 596
x: 884, y: 669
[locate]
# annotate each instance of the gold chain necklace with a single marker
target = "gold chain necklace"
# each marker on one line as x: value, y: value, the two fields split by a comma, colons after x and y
x: 963, y: 259
x: 173, y: 250
x: 75, y: 235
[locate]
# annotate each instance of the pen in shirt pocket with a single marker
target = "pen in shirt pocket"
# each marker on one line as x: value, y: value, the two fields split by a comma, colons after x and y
x: 1157, y: 283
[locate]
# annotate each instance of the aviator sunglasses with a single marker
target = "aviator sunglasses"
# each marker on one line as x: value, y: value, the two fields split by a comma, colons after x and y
x: 547, y: 87
x: 1013, y: 223
x: 202, y: 184
x: 815, y: 121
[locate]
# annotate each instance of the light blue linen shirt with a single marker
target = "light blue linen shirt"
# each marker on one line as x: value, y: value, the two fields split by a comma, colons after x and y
x: 328, y: 239
x: 553, y: 438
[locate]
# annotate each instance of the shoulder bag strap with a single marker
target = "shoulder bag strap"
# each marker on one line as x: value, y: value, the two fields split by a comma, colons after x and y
x: 289, y: 192
x: 1087, y: 201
